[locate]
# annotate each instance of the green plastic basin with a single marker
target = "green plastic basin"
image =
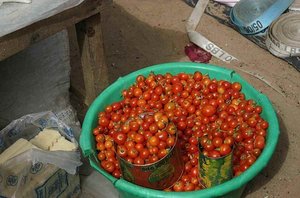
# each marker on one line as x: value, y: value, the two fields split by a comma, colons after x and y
x: 231, y: 188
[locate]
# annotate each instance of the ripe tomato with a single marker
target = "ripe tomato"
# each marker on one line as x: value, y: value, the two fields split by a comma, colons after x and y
x: 100, y: 138
x: 138, y: 161
x: 109, y: 166
x: 250, y: 160
x: 139, y: 147
x: 238, y: 137
x: 189, y: 187
x: 171, y: 128
x: 153, y: 141
x: 116, y: 174
x: 225, y: 149
x: 259, y: 142
x: 185, y: 178
x: 162, y: 145
x: 193, y: 149
x: 193, y: 140
x: 162, y: 135
x: 132, y: 153
x: 153, y: 159
x: 101, y: 156
x: 122, y: 151
x: 170, y: 106
x: 162, y: 153
x: 153, y: 128
x: 144, y: 154
x: 177, y: 88
x: 236, y: 86
x: 194, y: 172
x: 217, y: 141
x: 138, y: 138
x: 129, y: 144
x: 181, y: 125
x: 248, y: 146
x: 244, y: 167
x: 178, y: 186
x: 120, y: 138
x: 214, y: 154
x: 197, y: 76
x: 134, y: 126
x: 264, y: 124
x: 229, y: 140
x: 256, y: 152
x: 195, y: 180
x: 208, y: 110
x: 170, y: 141
x: 103, y: 121
x: 208, y: 146
x: 108, y: 144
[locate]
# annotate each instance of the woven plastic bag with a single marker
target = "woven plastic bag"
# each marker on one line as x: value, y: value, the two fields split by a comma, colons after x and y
x: 36, y: 172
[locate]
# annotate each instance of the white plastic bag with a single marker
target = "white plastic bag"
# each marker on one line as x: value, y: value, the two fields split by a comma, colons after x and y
x: 36, y: 170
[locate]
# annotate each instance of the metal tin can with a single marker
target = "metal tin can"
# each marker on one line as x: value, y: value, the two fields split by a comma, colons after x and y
x: 158, y: 175
x: 214, y: 171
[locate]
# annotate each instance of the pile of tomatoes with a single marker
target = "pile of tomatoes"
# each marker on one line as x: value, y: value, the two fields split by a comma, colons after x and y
x: 213, y: 114
x: 150, y: 137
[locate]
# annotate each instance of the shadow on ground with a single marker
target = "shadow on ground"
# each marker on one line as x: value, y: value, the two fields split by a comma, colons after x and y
x: 131, y: 44
x: 274, y: 164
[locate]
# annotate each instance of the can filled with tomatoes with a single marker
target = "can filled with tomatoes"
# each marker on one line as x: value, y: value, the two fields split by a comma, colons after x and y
x: 215, y: 170
x: 159, y: 175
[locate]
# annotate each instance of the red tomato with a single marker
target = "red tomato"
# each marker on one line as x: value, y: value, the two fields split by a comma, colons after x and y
x: 144, y: 154
x: 259, y: 142
x: 138, y: 161
x: 189, y: 187
x: 116, y: 174
x: 208, y: 110
x: 264, y: 124
x: 225, y: 149
x: 229, y: 140
x: 197, y: 76
x: 162, y: 135
x: 162, y: 153
x: 177, y: 88
x: 122, y: 151
x: 214, y: 154
x: 120, y: 138
x: 138, y: 138
x: 208, y: 146
x: 109, y: 167
x: 100, y: 138
x: 101, y: 156
x: 153, y: 141
x: 217, y: 141
x: 103, y: 121
x: 178, y: 186
x: 193, y: 140
x: 170, y: 141
x: 132, y: 153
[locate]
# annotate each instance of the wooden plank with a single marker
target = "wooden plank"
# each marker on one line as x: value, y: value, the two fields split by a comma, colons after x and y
x: 77, y: 90
x: 76, y: 77
x: 94, y: 68
x: 23, y: 38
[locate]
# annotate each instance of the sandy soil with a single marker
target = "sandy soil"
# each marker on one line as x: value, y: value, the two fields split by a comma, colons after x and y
x: 140, y: 33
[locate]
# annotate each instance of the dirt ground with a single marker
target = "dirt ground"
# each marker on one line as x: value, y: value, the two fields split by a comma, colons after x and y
x: 140, y: 33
